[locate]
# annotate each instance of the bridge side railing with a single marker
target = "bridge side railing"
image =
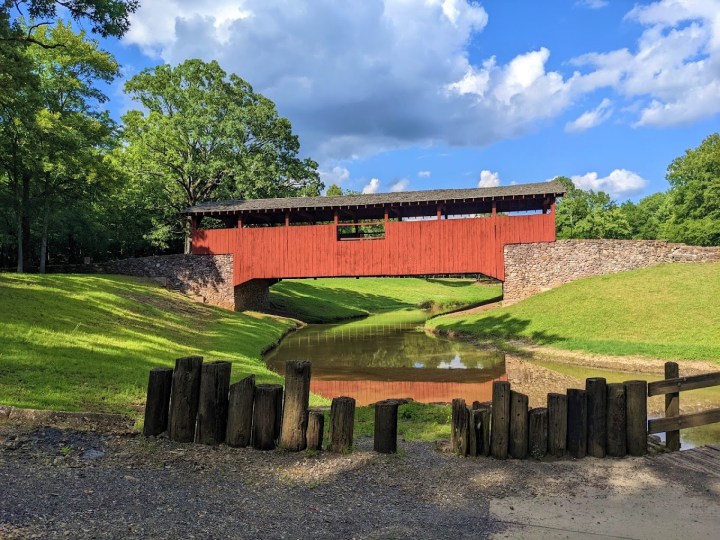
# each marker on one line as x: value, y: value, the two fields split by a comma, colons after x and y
x: 673, y: 421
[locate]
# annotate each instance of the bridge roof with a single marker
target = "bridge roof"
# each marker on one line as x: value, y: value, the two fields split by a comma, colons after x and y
x: 436, y: 196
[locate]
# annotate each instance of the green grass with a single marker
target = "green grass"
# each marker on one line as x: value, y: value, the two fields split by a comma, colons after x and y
x: 328, y: 300
x: 87, y: 342
x: 670, y: 311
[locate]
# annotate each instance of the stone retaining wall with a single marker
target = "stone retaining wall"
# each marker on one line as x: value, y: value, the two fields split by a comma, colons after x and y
x: 537, y: 267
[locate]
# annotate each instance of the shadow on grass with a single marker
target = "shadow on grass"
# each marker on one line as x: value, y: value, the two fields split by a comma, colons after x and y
x: 503, y: 326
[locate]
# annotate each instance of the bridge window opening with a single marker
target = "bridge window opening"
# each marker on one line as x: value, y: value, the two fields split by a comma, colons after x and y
x: 361, y: 231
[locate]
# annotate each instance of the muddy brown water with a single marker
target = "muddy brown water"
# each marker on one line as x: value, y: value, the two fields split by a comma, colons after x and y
x: 391, y: 356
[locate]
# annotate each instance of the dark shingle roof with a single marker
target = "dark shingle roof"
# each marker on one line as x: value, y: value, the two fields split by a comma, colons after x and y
x: 554, y: 188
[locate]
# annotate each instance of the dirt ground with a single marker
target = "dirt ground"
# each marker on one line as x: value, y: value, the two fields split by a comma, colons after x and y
x: 64, y: 483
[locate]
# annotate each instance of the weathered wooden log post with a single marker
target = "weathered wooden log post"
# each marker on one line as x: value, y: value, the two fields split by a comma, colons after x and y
x: 184, y: 398
x: 485, y: 429
x: 459, y: 432
x: 342, y: 424
x: 672, y: 407
x: 295, y: 405
x: 278, y: 413
x: 557, y: 424
x: 315, y: 430
x: 240, y: 412
x: 596, y: 389
x: 518, y: 444
x: 157, y: 405
x: 636, y: 409
x: 386, y: 422
x: 265, y: 416
x: 538, y: 432
x: 616, y: 420
x: 500, y: 420
x: 213, y: 403
x: 474, y: 432
x: 577, y: 423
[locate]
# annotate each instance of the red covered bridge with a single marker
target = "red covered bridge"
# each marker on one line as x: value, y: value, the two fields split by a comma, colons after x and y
x: 449, y: 231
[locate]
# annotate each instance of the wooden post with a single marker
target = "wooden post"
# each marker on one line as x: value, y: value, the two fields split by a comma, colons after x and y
x: 616, y: 422
x: 577, y: 423
x: 500, y: 419
x: 315, y: 430
x: 184, y: 398
x: 342, y: 423
x: 265, y: 416
x: 213, y: 403
x: 240, y: 412
x: 474, y: 432
x: 518, y: 445
x: 672, y: 407
x: 459, y: 435
x: 295, y: 406
x: 158, y: 401
x: 538, y: 432
x: 636, y: 415
x: 596, y: 389
x: 386, y: 423
x: 485, y: 429
x: 557, y: 424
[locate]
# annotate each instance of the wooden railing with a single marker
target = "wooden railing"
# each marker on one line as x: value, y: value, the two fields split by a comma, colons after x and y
x: 671, y: 387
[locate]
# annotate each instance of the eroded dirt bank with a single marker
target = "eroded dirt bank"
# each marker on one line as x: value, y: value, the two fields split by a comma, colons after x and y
x: 60, y: 483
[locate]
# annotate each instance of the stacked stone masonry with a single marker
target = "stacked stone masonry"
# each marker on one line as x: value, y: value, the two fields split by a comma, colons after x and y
x: 537, y: 267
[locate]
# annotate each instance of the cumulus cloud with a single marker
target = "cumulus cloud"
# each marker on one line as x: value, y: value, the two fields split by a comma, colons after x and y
x: 336, y: 175
x: 619, y: 183
x: 489, y: 179
x: 424, y: 174
x: 400, y: 185
x: 592, y: 118
x: 371, y: 187
x: 361, y: 76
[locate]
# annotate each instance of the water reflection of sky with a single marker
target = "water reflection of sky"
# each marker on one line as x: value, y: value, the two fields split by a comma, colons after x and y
x: 455, y: 363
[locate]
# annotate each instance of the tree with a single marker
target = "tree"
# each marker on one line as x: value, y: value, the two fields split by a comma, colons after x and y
x: 334, y: 191
x: 694, y: 195
x: 204, y: 135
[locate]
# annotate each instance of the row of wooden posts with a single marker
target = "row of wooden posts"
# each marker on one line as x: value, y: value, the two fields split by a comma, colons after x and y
x: 604, y: 419
x: 195, y: 402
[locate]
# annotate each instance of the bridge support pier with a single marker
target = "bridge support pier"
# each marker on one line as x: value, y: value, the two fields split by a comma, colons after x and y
x: 253, y: 295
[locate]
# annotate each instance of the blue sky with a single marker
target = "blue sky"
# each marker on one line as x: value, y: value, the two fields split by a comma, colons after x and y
x: 425, y: 94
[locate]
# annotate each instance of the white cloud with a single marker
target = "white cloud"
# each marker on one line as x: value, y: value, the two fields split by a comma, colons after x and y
x: 592, y: 4
x: 424, y: 174
x: 363, y: 76
x: 592, y: 118
x: 336, y: 175
x: 371, y: 187
x: 619, y: 183
x: 489, y: 179
x: 400, y: 185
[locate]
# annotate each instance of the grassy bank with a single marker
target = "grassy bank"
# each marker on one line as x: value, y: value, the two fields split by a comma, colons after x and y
x: 88, y: 342
x: 669, y: 311
x: 329, y: 300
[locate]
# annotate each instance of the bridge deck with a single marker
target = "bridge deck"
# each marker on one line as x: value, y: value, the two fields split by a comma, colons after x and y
x: 703, y: 459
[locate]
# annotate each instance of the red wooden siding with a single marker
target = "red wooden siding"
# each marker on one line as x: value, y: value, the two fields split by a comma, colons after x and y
x: 452, y: 246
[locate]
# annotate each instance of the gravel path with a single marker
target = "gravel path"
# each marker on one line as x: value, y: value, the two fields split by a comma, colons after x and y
x: 61, y: 483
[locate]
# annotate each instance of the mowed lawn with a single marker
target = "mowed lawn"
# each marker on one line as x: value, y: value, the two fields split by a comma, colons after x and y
x: 670, y: 311
x: 328, y: 300
x: 77, y: 342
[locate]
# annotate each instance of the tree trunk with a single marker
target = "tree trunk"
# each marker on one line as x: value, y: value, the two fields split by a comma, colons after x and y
x: 240, y: 412
x: 295, y: 406
x: 25, y: 223
x: 184, y: 398
x: 213, y: 403
x: 342, y: 424
x: 188, y: 236
x: 20, y: 257
x: 44, y: 239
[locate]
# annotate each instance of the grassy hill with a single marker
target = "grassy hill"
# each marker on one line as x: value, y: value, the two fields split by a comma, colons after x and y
x: 328, y: 300
x: 87, y: 342
x: 670, y: 311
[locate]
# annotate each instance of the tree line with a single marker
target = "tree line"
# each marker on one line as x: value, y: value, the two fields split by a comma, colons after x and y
x: 75, y: 183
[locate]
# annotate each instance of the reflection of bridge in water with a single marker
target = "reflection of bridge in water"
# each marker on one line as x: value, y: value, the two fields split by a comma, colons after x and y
x: 372, y: 362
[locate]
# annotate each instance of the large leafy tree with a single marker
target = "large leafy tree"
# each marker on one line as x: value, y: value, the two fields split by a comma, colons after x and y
x: 203, y: 135
x: 694, y: 196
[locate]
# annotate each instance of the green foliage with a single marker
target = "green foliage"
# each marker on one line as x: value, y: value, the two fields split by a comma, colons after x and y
x: 327, y: 300
x: 334, y: 191
x: 668, y: 311
x: 88, y: 342
x: 694, y: 196
x: 204, y: 135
